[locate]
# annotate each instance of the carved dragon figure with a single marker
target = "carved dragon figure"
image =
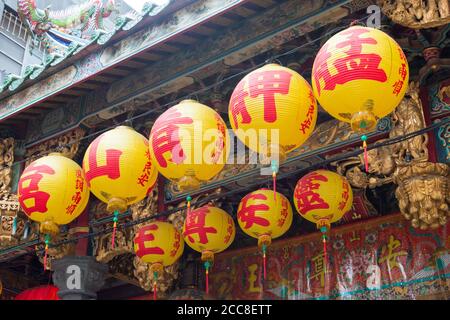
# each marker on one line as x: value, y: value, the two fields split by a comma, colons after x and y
x: 86, y: 17
x: 59, y: 28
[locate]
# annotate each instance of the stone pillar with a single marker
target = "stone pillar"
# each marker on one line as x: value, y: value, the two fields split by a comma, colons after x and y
x: 79, y: 278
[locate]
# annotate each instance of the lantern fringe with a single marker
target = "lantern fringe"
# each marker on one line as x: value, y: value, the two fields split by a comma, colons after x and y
x: 324, y: 230
x: 274, y: 166
x: 155, y: 279
x: 188, y: 204
x: 207, y: 265
x: 366, y: 156
x: 113, y: 237
x: 47, y: 241
x: 264, y: 248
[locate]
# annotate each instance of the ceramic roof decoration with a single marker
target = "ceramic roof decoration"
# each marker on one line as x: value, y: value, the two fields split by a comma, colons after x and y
x: 67, y: 32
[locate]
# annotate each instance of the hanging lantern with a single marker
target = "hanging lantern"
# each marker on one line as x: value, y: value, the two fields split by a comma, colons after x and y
x: 52, y: 191
x: 119, y: 169
x: 48, y: 292
x: 323, y: 197
x: 273, y: 111
x: 189, y: 143
x: 160, y: 245
x: 208, y: 230
x: 359, y: 76
x: 264, y: 218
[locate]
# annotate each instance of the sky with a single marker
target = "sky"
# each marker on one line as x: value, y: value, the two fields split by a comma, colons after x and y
x: 138, y: 4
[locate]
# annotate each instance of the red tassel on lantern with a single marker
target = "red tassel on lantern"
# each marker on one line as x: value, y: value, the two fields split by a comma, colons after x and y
x: 113, y: 237
x: 366, y: 156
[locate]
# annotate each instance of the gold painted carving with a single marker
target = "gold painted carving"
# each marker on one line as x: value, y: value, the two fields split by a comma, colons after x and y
x: 423, y: 193
x: 417, y: 14
x: 6, y: 161
x: 67, y: 144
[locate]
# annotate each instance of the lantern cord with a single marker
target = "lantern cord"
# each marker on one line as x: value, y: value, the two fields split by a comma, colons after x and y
x: 47, y: 241
x: 113, y: 237
x: 212, y: 197
x: 207, y: 264
x: 366, y: 156
x: 264, y: 247
x: 155, y: 279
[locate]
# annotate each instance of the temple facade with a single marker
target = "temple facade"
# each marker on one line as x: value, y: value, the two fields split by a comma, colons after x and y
x: 74, y: 70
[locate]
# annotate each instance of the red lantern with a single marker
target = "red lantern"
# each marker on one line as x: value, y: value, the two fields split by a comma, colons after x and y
x: 39, y: 293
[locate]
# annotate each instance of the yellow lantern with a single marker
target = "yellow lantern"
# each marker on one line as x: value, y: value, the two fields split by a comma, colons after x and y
x: 264, y: 218
x: 359, y: 76
x: 323, y: 197
x: 53, y: 191
x: 273, y: 111
x: 189, y: 143
x: 160, y: 245
x: 208, y: 230
x: 119, y: 169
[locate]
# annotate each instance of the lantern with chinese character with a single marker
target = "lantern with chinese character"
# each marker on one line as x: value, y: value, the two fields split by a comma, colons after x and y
x: 323, y: 197
x: 359, y: 76
x: 119, y: 169
x: 273, y: 111
x: 208, y: 230
x: 189, y: 143
x: 160, y: 245
x: 52, y: 191
x: 264, y: 218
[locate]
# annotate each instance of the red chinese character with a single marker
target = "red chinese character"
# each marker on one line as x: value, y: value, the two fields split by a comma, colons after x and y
x: 29, y: 188
x: 281, y: 222
x: 79, y: 184
x: 165, y: 137
x: 247, y: 213
x: 70, y: 209
x: 143, y: 179
x: 402, y: 71
x: 355, y: 65
x: 307, y: 199
x: 195, y: 223
x: 78, y: 174
x: 112, y: 167
x: 397, y: 87
x: 145, y: 235
x: 345, y: 196
x: 76, y: 197
x: 268, y: 83
x: 237, y: 105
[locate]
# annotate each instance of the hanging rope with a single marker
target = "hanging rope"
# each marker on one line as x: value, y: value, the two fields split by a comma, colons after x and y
x: 113, y: 237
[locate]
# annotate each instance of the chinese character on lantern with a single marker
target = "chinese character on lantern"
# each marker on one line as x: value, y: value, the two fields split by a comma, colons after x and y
x: 112, y: 167
x: 166, y: 136
x: 356, y: 65
x: 247, y: 213
x: 195, y: 224
x: 29, y: 188
x: 306, y: 198
x: 145, y: 235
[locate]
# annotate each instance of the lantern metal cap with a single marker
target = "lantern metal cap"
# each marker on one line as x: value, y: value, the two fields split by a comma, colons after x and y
x: 188, y: 101
x: 124, y: 127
